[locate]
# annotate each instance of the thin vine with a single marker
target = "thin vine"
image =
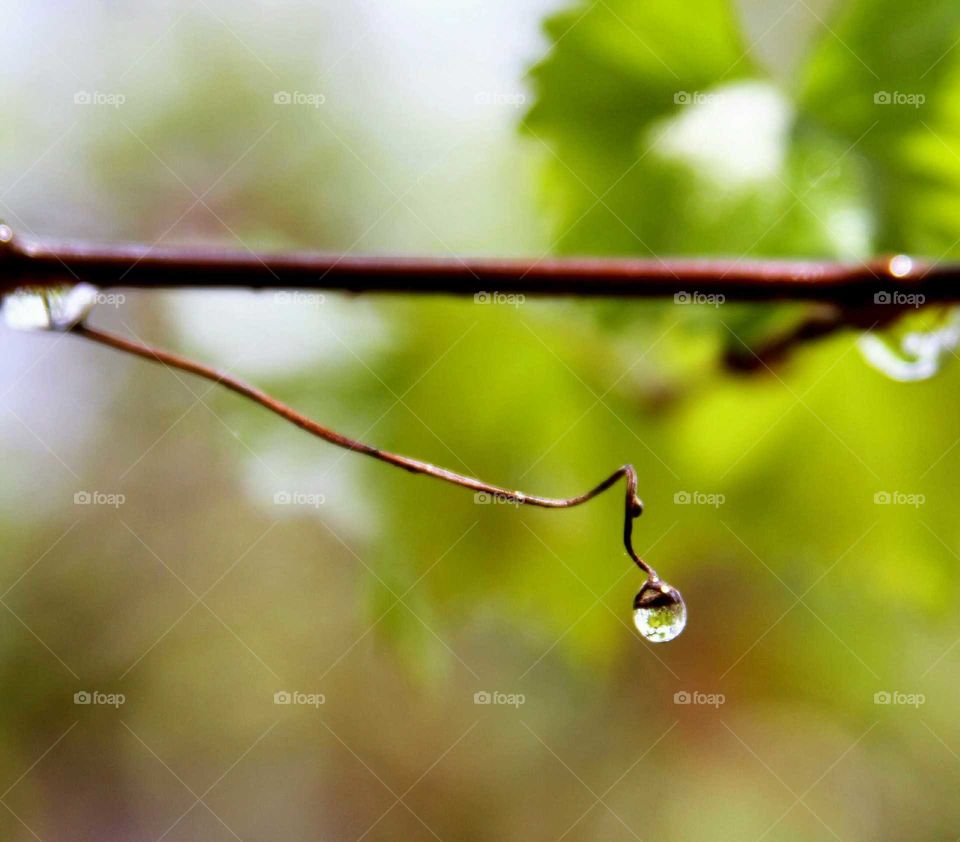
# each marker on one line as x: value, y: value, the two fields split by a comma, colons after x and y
x: 659, y: 610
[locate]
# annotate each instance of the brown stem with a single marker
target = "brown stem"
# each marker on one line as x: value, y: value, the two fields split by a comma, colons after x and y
x: 633, y: 504
x: 822, y: 321
x: 25, y: 262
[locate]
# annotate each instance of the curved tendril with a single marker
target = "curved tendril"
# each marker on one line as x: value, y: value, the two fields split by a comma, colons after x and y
x: 633, y: 506
x: 633, y: 510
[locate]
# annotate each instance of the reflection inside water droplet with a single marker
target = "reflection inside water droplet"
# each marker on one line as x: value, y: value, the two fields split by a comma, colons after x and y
x: 659, y: 612
x: 58, y: 308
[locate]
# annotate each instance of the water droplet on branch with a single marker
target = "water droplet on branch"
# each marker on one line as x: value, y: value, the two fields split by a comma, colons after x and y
x: 920, y: 352
x: 58, y: 308
x: 659, y: 612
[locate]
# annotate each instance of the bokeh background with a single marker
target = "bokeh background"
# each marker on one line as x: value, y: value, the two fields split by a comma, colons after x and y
x: 808, y: 514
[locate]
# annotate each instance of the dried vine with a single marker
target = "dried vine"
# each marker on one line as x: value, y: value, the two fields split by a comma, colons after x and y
x: 633, y: 506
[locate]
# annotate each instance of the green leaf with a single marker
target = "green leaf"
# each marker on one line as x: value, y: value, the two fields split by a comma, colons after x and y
x: 614, y: 70
x: 883, y: 80
x: 665, y: 138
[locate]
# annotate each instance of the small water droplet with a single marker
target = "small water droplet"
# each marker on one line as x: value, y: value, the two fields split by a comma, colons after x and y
x: 659, y: 612
x: 58, y: 308
x: 901, y: 265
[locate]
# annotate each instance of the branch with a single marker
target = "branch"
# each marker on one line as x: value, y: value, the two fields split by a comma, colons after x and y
x: 633, y: 506
x: 44, y: 262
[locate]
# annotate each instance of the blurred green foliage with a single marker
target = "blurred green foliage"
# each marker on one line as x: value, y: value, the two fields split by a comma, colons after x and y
x: 620, y: 71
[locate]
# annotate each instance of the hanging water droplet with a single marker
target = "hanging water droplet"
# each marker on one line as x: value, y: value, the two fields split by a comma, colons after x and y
x: 659, y: 612
x: 59, y: 308
x: 919, y: 354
